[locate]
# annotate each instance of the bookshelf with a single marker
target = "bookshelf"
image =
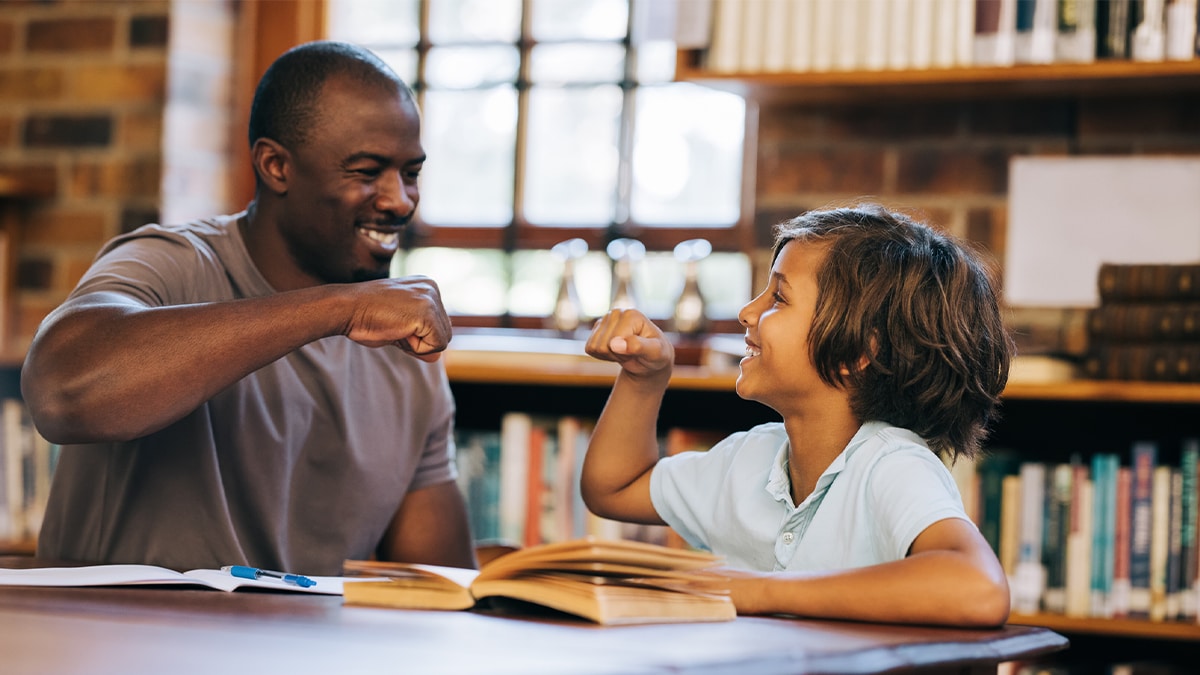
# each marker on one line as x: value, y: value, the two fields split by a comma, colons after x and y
x: 1112, y: 78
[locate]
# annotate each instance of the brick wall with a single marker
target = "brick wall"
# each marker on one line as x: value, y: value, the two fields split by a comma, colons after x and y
x: 91, y: 92
x: 948, y: 161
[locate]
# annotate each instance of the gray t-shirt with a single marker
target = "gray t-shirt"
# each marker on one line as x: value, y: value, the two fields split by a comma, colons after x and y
x: 298, y: 466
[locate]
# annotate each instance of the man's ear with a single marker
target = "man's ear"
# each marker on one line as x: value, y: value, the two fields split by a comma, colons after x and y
x: 271, y: 162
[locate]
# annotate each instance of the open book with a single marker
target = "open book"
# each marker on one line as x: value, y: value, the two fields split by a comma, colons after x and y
x: 152, y: 575
x: 605, y: 581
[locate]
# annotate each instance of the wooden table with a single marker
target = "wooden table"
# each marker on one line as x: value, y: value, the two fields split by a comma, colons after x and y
x: 176, y: 631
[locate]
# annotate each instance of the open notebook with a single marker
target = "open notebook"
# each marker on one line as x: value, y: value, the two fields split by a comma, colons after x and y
x: 152, y: 575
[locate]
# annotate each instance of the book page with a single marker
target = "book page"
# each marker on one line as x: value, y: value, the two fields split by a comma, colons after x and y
x: 152, y: 575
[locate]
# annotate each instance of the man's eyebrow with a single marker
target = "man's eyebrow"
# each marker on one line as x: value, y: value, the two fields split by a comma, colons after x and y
x: 359, y: 156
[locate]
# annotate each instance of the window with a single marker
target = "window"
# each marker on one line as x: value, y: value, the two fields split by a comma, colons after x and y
x: 548, y: 120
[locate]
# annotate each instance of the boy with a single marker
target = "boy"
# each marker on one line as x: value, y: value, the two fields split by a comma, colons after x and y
x: 880, y: 343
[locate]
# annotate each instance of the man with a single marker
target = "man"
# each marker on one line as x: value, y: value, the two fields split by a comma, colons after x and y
x: 253, y: 389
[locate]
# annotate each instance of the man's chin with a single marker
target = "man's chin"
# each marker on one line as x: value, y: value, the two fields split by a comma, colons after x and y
x: 370, y: 274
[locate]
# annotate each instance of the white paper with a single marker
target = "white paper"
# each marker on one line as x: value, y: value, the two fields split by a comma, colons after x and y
x: 1067, y: 215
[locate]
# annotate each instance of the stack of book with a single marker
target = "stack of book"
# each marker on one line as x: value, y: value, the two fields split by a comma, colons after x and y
x: 1147, y: 326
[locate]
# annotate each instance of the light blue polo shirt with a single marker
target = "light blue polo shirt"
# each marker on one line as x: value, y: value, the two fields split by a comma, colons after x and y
x: 883, y: 490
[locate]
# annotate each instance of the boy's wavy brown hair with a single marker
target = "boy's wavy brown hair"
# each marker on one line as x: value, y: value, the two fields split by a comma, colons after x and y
x: 923, y: 307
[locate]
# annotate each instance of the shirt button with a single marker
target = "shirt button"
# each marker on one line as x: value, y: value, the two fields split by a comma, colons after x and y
x: 788, y: 537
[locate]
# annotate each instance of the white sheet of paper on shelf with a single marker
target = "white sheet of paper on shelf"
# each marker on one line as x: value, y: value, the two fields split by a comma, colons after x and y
x: 1067, y: 215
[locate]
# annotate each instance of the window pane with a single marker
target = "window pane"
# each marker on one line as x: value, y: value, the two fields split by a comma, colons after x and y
x: 725, y: 284
x: 470, y: 137
x: 687, y: 156
x: 469, y: 67
x: 403, y: 61
x: 474, y: 20
x: 537, y: 275
x: 472, y: 281
x: 561, y: 64
x: 580, y: 19
x: 374, y: 23
x: 572, y: 169
x: 656, y: 61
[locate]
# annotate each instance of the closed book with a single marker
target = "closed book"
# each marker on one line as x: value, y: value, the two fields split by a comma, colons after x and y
x: 1175, y: 546
x: 1079, y: 544
x: 1076, y: 39
x: 995, y: 30
x: 1160, y: 534
x: 1029, y: 578
x: 1148, y: 40
x: 1057, y: 523
x: 1104, y: 481
x: 1035, y: 34
x: 993, y: 468
x: 1148, y: 281
x: 1156, y: 362
x: 1118, y: 599
x: 608, y: 582
x: 1141, y: 523
x: 1189, y: 464
x: 1113, y: 21
x: 1144, y: 322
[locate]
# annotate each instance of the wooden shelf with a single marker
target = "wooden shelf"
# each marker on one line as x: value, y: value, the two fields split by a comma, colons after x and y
x: 505, y: 368
x: 1102, y: 78
x: 1126, y: 628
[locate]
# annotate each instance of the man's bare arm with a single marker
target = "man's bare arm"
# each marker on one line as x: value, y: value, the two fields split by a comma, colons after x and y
x: 104, y: 367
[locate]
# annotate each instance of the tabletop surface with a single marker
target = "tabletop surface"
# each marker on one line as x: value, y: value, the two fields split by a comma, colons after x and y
x: 175, y: 630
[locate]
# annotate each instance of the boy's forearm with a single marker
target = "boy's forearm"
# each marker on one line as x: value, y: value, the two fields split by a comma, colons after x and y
x: 624, y: 444
x: 941, y: 587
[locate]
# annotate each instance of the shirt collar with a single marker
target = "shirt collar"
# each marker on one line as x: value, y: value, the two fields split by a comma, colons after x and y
x: 779, y: 482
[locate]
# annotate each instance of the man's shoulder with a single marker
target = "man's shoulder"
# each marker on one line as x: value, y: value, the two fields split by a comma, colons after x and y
x: 205, y: 232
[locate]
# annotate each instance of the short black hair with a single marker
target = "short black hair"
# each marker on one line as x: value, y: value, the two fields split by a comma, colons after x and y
x: 285, y: 107
x: 923, y: 307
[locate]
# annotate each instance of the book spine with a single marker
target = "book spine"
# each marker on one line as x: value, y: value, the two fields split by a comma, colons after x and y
x: 1120, y: 322
x: 1119, y: 597
x: 1010, y: 524
x: 1160, y: 519
x: 1162, y: 362
x: 1147, y: 281
x: 1141, y: 524
x: 1174, y: 598
x: 1189, y: 461
x: 1079, y: 544
x: 1055, y: 531
x: 1029, y: 579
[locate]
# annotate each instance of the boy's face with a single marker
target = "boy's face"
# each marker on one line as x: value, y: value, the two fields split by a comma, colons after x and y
x: 778, y: 370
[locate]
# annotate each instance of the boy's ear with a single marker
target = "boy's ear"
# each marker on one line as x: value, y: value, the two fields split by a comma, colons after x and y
x: 271, y: 162
x: 859, y: 365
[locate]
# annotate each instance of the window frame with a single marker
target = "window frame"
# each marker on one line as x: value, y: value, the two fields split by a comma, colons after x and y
x: 268, y: 29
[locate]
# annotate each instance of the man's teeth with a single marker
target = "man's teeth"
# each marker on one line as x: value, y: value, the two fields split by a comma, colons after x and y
x: 386, y: 238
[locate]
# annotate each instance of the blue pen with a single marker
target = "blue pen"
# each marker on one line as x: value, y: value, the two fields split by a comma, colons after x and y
x: 255, y: 573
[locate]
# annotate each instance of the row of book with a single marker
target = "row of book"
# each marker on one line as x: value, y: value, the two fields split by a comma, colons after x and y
x: 26, y: 464
x: 764, y: 36
x: 1096, y: 537
x: 521, y: 481
x: 1147, y: 325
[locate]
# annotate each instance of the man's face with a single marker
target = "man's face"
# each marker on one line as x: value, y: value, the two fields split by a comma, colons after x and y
x: 353, y: 183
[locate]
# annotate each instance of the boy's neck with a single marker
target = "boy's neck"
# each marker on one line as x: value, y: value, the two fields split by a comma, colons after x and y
x: 814, y: 441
